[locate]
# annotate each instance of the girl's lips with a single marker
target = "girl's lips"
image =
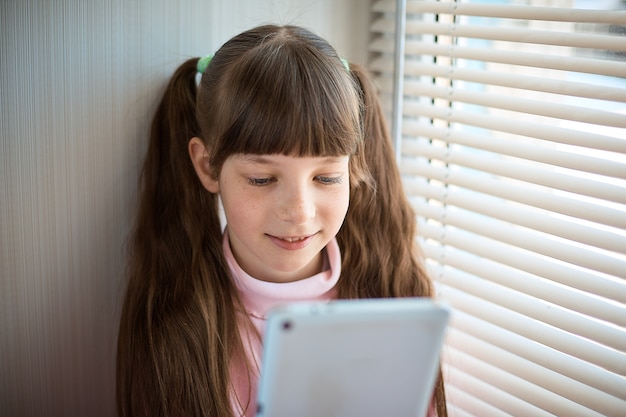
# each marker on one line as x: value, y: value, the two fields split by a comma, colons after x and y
x: 291, y: 242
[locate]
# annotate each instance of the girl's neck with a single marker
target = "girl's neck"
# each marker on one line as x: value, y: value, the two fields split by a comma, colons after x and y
x: 259, y: 296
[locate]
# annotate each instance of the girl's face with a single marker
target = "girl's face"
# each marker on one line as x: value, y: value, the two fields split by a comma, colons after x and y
x: 282, y: 211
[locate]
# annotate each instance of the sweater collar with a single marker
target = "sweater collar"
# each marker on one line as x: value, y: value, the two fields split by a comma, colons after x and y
x: 261, y: 296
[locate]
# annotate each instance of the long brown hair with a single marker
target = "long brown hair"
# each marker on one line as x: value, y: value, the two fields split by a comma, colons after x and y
x: 272, y: 89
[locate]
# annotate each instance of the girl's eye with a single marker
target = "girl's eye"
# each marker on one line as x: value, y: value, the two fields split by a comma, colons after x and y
x: 260, y: 181
x: 329, y: 180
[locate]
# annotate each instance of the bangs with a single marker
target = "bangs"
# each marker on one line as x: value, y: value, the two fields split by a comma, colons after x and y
x: 292, y: 100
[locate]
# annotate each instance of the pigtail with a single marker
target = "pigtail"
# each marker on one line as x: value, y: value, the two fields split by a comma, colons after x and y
x: 380, y: 254
x: 172, y: 348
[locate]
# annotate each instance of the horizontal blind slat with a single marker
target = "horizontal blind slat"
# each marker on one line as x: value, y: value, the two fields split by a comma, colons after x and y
x: 538, y: 331
x: 519, y: 58
x: 511, y: 168
x: 555, y: 14
x: 567, y: 320
x: 453, y: 410
x: 519, y: 35
x: 571, y: 393
x: 471, y: 405
x: 384, y: 25
x: 541, y: 288
x: 412, y: 108
x: 547, y: 357
x: 529, y: 151
x: 610, y: 288
x: 383, y: 45
x: 524, y: 390
x: 522, y: 105
x: 523, y: 216
x: 473, y: 384
x: 530, y: 240
x: 516, y: 81
x: 517, y: 192
x: 382, y: 65
x: 384, y: 6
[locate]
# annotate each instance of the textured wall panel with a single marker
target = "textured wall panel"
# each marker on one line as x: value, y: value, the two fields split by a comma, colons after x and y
x: 79, y: 82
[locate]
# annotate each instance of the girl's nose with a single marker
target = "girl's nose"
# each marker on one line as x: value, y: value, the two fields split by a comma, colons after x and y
x: 296, y: 205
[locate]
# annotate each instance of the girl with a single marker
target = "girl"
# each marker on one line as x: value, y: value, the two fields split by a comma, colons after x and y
x: 295, y: 145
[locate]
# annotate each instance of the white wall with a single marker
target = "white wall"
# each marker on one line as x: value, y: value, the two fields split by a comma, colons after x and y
x: 79, y: 82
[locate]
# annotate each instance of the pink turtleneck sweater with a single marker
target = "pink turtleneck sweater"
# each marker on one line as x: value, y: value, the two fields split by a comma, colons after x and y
x: 261, y: 296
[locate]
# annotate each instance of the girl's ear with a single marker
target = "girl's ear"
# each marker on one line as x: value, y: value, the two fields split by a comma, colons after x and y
x: 200, y: 159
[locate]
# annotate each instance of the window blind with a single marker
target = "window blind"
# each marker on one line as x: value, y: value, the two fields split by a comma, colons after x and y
x: 512, y: 146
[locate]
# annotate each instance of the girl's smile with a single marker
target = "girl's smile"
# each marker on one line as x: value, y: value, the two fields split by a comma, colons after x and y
x: 282, y: 211
x: 291, y: 243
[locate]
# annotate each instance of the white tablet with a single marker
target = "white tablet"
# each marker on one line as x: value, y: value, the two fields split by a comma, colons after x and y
x: 356, y: 358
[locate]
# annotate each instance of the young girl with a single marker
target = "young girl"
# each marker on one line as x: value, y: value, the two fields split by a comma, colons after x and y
x: 294, y: 143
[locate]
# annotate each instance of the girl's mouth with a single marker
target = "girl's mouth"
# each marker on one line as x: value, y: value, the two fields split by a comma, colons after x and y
x: 293, y: 239
x: 291, y: 242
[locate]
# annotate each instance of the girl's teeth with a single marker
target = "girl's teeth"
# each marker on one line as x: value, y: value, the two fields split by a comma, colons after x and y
x: 293, y: 239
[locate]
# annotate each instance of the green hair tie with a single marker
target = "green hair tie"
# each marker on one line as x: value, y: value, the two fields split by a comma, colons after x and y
x: 203, y: 63
x: 345, y: 64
